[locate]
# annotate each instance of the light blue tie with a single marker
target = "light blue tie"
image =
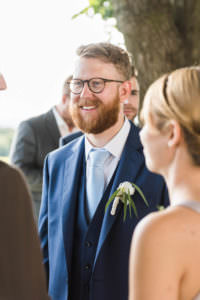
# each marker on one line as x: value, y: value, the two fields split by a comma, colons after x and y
x: 95, y: 179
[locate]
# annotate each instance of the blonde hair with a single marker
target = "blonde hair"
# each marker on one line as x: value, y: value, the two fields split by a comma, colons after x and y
x: 108, y: 53
x: 177, y: 96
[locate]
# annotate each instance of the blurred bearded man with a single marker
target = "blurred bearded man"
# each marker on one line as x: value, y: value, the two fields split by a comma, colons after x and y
x: 86, y: 249
x: 131, y: 104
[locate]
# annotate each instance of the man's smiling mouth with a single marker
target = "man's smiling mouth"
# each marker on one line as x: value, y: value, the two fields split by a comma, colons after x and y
x: 88, y: 107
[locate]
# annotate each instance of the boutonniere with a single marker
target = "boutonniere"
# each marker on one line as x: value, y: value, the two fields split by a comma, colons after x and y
x: 123, y: 193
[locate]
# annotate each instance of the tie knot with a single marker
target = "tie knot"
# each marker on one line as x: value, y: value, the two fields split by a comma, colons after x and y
x: 98, y: 157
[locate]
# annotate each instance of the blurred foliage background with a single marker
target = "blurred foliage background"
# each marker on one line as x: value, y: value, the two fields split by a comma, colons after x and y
x: 6, y: 136
x: 161, y: 36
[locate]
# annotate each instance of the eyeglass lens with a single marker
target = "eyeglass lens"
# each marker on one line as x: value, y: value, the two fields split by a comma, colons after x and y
x: 96, y: 85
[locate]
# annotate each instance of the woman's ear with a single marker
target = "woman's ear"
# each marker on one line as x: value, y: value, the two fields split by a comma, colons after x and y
x: 175, y: 134
x: 124, y: 90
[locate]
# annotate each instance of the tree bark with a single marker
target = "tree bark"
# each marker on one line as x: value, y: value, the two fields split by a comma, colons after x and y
x: 161, y: 35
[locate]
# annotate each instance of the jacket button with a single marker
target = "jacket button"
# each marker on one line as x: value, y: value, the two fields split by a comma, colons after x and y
x: 87, y: 267
x: 88, y: 244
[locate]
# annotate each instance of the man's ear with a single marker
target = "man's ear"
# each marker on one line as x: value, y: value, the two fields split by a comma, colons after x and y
x: 124, y: 90
x: 175, y: 133
x: 64, y: 98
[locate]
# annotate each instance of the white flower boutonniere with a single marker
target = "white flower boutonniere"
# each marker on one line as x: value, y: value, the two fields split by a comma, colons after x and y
x: 123, y: 193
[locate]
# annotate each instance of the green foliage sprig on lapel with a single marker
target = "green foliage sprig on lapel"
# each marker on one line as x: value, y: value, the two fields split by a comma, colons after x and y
x: 123, y: 193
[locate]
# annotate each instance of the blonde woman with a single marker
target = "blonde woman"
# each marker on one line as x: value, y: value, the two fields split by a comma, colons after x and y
x: 165, y: 252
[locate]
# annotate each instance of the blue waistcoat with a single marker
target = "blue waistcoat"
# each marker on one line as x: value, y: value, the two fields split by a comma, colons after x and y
x: 86, y: 236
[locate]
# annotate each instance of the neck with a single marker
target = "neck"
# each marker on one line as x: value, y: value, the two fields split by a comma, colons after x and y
x: 67, y: 119
x: 101, y: 139
x: 183, y: 183
x: 70, y: 126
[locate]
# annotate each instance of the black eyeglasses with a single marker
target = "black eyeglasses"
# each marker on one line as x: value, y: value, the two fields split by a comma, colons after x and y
x: 134, y: 92
x: 96, y: 85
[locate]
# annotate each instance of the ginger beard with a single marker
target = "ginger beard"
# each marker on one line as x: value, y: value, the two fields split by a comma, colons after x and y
x: 68, y: 118
x: 106, y: 115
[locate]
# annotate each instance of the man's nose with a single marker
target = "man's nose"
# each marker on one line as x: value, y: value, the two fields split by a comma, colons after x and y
x: 126, y: 101
x: 85, y: 91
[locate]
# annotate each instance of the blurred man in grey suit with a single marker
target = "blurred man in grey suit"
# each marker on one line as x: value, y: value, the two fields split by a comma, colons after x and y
x: 131, y: 104
x: 38, y: 136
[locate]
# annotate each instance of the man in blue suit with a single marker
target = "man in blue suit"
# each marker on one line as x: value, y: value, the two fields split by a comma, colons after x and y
x: 86, y: 250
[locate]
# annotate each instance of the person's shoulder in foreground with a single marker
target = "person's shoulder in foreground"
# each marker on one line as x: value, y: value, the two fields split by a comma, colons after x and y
x: 164, y: 242
x: 165, y: 252
x: 21, y: 273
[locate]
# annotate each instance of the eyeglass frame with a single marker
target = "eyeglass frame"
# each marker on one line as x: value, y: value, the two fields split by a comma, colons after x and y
x: 88, y: 80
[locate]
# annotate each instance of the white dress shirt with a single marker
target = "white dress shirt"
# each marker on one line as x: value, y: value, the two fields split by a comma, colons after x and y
x: 115, y: 147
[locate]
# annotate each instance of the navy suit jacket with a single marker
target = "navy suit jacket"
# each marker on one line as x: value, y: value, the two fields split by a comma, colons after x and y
x: 109, y: 279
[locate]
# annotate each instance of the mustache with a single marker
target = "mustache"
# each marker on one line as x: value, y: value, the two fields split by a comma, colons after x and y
x: 87, y: 102
x: 129, y: 107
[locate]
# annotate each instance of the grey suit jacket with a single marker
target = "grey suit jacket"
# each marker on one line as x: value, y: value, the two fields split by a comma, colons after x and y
x: 34, y: 139
x: 22, y: 275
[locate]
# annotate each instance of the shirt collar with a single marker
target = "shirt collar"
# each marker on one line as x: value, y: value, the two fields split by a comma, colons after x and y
x: 116, y: 144
x: 59, y: 119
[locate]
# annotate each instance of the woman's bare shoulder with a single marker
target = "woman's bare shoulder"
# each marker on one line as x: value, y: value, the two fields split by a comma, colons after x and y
x: 168, y: 228
x: 159, y: 227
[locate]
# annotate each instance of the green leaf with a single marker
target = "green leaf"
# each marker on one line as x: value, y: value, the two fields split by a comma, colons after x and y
x: 133, y: 206
x: 141, y: 193
x: 102, y: 7
x: 160, y: 207
x: 82, y: 12
x: 111, y: 199
x: 129, y: 204
x: 125, y: 205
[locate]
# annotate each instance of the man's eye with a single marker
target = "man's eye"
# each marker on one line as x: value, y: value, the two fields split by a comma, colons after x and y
x: 134, y: 92
x: 96, y: 83
x: 77, y: 84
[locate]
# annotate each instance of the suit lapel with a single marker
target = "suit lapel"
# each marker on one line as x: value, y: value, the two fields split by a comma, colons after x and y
x: 72, y: 173
x: 129, y: 167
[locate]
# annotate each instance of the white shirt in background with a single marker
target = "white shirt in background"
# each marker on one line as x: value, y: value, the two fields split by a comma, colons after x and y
x: 62, y: 126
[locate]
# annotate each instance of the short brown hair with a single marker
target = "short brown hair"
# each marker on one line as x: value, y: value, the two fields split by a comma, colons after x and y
x: 134, y: 71
x: 177, y: 96
x: 66, y: 89
x: 108, y: 53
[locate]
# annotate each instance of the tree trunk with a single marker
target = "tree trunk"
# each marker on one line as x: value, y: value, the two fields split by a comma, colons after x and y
x: 161, y: 35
